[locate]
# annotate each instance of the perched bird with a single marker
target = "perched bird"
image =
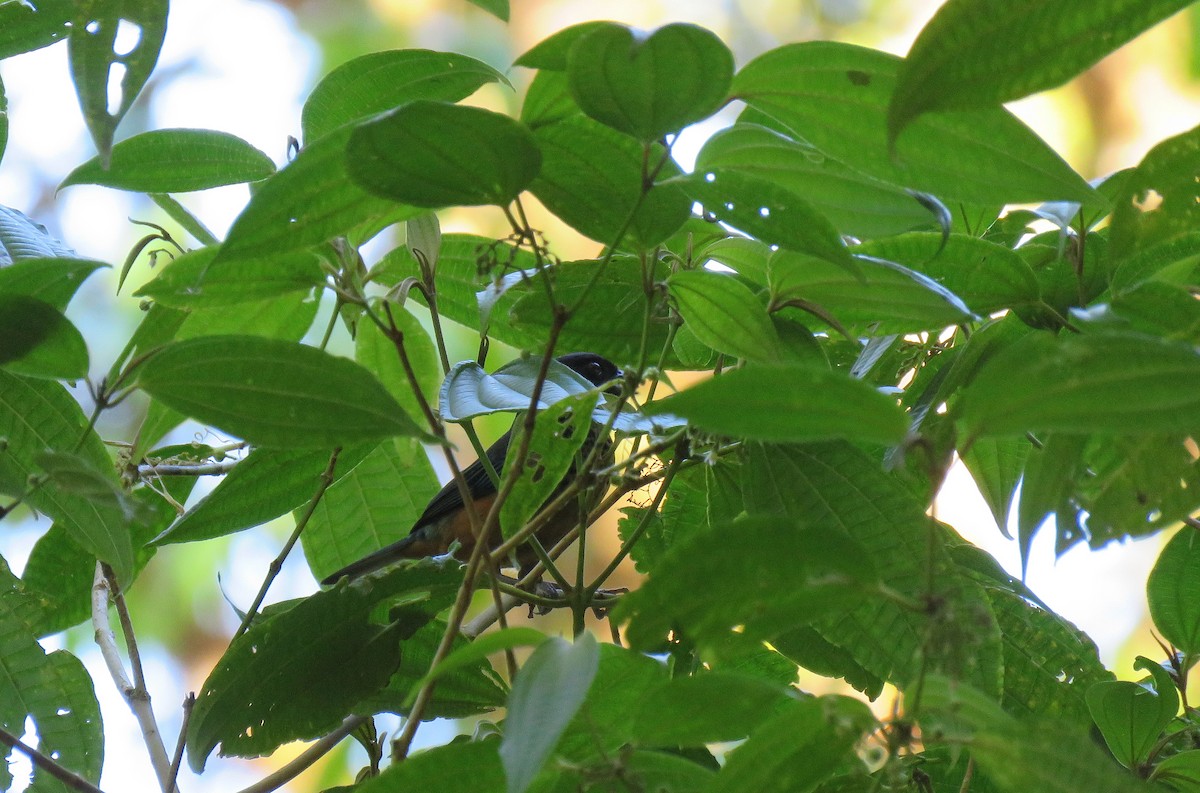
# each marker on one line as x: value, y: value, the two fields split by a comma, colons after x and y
x: 445, y: 519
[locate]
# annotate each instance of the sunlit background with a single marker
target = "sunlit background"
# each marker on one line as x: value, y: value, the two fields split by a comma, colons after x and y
x: 245, y: 66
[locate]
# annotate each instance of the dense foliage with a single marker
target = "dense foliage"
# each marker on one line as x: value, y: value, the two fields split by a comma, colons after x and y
x: 848, y: 259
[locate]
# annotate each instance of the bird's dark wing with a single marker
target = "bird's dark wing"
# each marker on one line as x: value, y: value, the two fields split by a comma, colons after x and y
x: 479, y: 484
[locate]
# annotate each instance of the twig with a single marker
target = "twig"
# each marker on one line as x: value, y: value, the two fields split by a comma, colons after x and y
x: 306, y: 758
x: 104, y: 587
x: 189, y: 702
x: 50, y: 766
x: 185, y: 469
x: 277, y: 562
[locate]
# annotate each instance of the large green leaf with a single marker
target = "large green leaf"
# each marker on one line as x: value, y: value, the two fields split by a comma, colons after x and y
x: 457, y: 767
x: 375, y: 351
x: 175, y: 161
x: 1103, y: 383
x: 1173, y: 591
x: 205, y: 278
x: 309, y: 202
x: 93, y: 49
x: 54, y: 280
x: 592, y: 178
x: 379, y: 81
x: 835, y: 97
x: 1160, y: 199
x: 649, y: 86
x: 37, y: 340
x: 1133, y: 717
x: 725, y: 314
x: 980, y: 53
x: 249, y: 703
x: 272, y: 392
x: 373, y: 505
x: 25, y: 27
x: 433, y: 154
x: 855, y: 203
x: 788, y: 404
x: 706, y: 708
x: 39, y: 415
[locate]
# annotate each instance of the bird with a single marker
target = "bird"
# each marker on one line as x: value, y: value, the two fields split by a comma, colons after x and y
x: 445, y: 519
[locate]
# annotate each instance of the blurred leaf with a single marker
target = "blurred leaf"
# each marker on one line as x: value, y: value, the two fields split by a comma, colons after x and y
x: 788, y: 404
x: 96, y: 65
x: 551, y: 53
x: 1107, y: 383
x: 797, y: 748
x: 374, y: 504
x: 460, y: 767
x: 25, y: 27
x: 996, y: 465
x: 1180, y: 771
x: 53, y: 280
x: 273, y: 393
x: 380, y: 81
x: 39, y: 415
x: 497, y: 8
x: 1174, y: 261
x: 1172, y: 588
x: 889, y: 297
x: 808, y: 648
x: 709, y: 707
x: 724, y: 314
x: 855, y: 203
x: 332, y: 645
x: 433, y: 154
x: 559, y: 434
x: 21, y: 238
x: 547, y: 100
x: 310, y: 201
x: 835, y: 97
x: 286, y: 316
x: 38, y: 341
x: 180, y: 214
x: 205, y: 278
x: 798, y: 575
x: 649, y: 86
x: 988, y: 277
x: 376, y: 352
x: 548, y: 691
x: 1132, y: 717
x: 481, y: 647
x: 1160, y: 199
x: 175, y: 161
x: 592, y: 179
x: 982, y: 53
x: 266, y: 484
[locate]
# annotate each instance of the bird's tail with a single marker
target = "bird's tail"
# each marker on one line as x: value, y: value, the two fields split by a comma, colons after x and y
x: 414, y: 546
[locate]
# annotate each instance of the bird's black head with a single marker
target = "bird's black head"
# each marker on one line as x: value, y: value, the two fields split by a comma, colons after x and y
x: 593, y: 368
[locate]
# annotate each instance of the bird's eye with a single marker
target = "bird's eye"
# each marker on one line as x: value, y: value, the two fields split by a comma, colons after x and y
x: 596, y: 370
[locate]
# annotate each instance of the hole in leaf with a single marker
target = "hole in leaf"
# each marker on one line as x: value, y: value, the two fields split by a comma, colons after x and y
x: 92, y: 27
x: 1149, y: 201
x: 129, y: 36
x: 538, y: 474
x: 116, y: 93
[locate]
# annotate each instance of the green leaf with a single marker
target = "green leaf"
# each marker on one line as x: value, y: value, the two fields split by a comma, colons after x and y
x: 796, y: 749
x: 806, y: 647
x: 547, y: 101
x: 1181, y: 771
x: 996, y: 465
x: 768, y: 211
x: 1104, y: 383
x: 40, y: 415
x: 273, y: 393
x: 378, y: 354
x: 92, y: 46
x: 1173, y: 591
x: 180, y: 214
x: 1131, y: 718
x: 469, y: 391
x: 548, y: 691
x: 988, y: 277
x: 559, y: 433
x: 380, y: 81
x: 855, y: 203
x: 497, y: 8
x: 205, y: 278
x: 266, y: 484
x: 981, y: 53
x: 372, y: 505
x: 835, y: 97
x: 37, y: 340
x: 21, y: 238
x: 53, y: 280
x: 788, y: 404
x: 459, y: 767
x: 1160, y: 199
x: 551, y: 53
x: 888, y: 297
x: 799, y: 574
x: 480, y: 648
x: 591, y: 178
x: 651, y: 86
x: 709, y: 707
x: 175, y: 161
x: 248, y: 704
x: 433, y: 154
x: 287, y: 316
x: 724, y: 314
x: 25, y: 27
x: 309, y: 202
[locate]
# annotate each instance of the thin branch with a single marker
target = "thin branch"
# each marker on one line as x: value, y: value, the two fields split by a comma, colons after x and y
x: 189, y: 702
x: 277, y: 562
x: 47, y: 764
x: 187, y: 469
x: 306, y: 758
x: 104, y: 587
